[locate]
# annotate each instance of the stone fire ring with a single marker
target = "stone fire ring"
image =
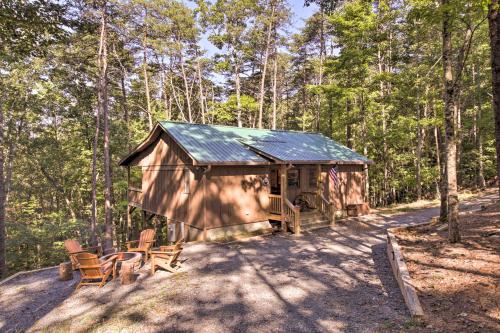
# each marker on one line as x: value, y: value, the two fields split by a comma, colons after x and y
x: 134, y: 258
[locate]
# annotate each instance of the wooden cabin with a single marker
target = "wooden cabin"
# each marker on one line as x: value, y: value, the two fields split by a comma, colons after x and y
x: 221, y: 180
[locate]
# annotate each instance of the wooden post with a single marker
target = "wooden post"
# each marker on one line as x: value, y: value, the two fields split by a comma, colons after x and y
x: 296, y: 226
x: 127, y: 273
x: 319, y: 187
x: 65, y: 271
x: 129, y: 215
x: 284, y: 179
x: 332, y: 212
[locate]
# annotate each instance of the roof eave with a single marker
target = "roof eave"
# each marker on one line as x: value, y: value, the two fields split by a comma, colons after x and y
x: 233, y: 163
x: 360, y: 162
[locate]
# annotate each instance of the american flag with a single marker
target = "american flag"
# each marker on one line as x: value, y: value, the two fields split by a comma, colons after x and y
x: 334, y: 176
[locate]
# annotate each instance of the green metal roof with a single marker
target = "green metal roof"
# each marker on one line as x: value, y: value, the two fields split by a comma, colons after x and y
x: 226, y: 144
x: 209, y: 144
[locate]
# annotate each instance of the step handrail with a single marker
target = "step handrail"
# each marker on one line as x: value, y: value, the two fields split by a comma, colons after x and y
x: 327, y: 208
x: 292, y: 215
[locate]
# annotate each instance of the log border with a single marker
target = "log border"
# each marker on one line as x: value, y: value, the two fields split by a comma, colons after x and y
x: 402, y: 275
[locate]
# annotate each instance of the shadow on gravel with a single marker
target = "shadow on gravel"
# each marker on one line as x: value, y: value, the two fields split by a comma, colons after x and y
x: 27, y: 298
x: 386, y: 276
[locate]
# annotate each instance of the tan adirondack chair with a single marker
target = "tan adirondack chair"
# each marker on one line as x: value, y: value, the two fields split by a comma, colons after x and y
x: 146, y: 240
x: 167, y: 257
x: 73, y: 247
x: 93, y: 271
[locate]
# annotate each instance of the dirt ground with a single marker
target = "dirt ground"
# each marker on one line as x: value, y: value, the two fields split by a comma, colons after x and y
x: 458, y: 284
x: 331, y: 280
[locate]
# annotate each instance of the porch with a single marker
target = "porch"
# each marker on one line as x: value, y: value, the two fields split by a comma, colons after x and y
x: 303, y: 183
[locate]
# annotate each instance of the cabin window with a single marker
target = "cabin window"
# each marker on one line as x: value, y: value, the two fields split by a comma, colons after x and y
x: 294, y: 178
x: 186, y: 176
x: 313, y: 178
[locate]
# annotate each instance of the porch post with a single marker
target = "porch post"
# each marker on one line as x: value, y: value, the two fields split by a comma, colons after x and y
x: 129, y: 215
x: 284, y: 179
x: 319, y: 187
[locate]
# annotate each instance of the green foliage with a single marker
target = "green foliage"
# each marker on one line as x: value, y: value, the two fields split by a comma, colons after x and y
x: 366, y: 73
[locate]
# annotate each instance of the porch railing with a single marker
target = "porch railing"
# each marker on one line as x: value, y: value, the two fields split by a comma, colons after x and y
x: 292, y: 215
x: 275, y: 204
x: 135, y: 195
x: 326, y: 208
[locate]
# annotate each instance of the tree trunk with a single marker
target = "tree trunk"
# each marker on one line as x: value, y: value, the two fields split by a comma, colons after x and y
x: 364, y: 138
x: 125, y: 108
x: 264, y: 69
x: 3, y: 264
x: 321, y: 60
x: 238, y: 90
x: 348, y: 127
x: 103, y: 105
x: 200, y: 88
x: 494, y: 29
x: 476, y: 128
x: 443, y: 187
x: 450, y: 135
x: 145, y: 69
x: 275, y: 88
x: 186, y: 88
x: 11, y: 154
x: 418, y: 162
x: 381, y: 69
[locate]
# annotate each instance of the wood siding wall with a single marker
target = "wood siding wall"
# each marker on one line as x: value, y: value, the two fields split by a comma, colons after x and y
x: 164, y: 193
x: 351, y: 187
x: 223, y: 196
x: 164, y: 151
x: 236, y: 195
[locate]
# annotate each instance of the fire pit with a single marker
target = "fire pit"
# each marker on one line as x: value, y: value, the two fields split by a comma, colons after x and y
x: 128, y: 257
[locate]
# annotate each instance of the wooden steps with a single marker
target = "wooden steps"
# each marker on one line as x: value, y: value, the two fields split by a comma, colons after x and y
x: 311, y: 220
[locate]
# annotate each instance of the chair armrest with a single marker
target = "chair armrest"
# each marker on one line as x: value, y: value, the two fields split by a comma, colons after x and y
x: 112, y: 258
x: 171, y: 247
x: 165, y: 253
x: 131, y: 242
x: 90, y: 266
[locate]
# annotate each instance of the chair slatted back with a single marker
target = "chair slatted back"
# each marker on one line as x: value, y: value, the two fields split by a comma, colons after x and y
x: 72, y: 245
x: 146, y: 238
x: 89, y: 265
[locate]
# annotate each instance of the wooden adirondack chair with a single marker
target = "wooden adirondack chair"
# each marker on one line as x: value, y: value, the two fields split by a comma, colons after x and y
x: 73, y: 247
x: 92, y: 269
x: 167, y: 257
x: 146, y: 240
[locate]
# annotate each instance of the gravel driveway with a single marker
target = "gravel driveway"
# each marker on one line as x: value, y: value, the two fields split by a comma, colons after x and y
x: 330, y: 280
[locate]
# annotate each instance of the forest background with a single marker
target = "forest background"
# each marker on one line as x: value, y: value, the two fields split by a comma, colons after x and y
x: 83, y: 82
